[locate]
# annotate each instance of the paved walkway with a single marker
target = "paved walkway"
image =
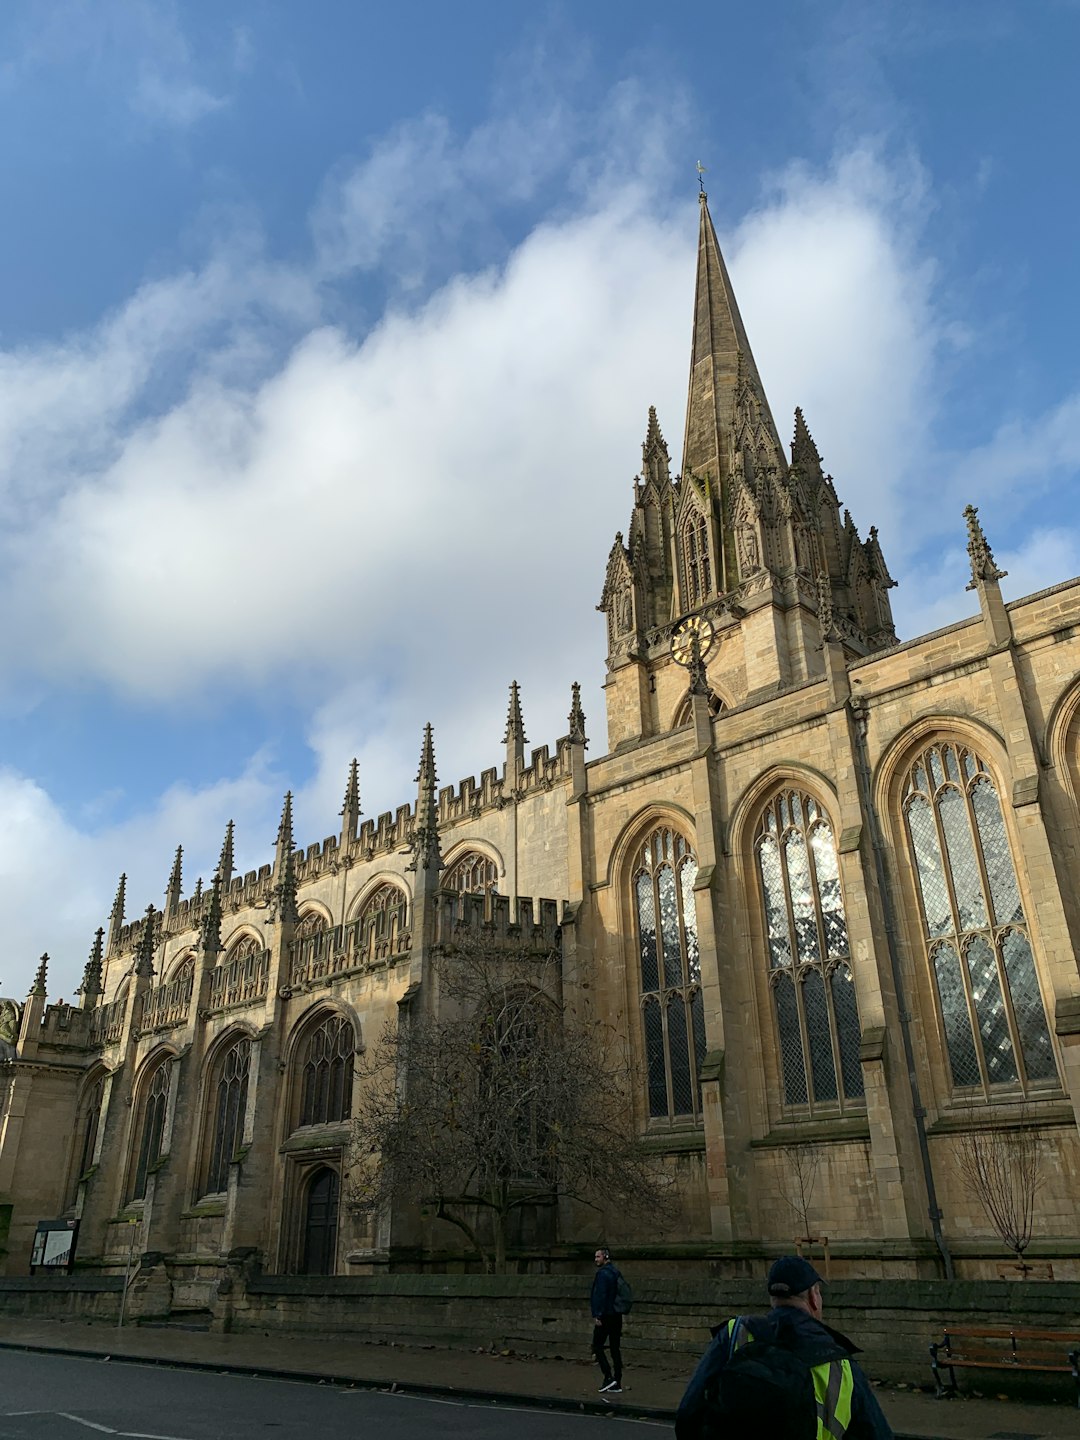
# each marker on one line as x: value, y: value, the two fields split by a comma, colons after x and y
x: 568, y: 1384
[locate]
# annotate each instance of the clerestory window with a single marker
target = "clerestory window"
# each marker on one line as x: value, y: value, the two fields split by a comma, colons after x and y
x: 817, y: 1018
x: 326, y: 1072
x: 976, y: 935
x: 229, y: 1104
x: 472, y: 874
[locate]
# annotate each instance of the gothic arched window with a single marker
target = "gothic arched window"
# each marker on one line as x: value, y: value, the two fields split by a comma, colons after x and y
x: 87, y: 1130
x: 976, y: 936
x: 326, y: 1072
x: 817, y: 1018
x: 228, y: 1104
x: 383, y: 912
x: 698, y: 564
x: 672, y: 1009
x: 472, y: 874
x: 151, y: 1127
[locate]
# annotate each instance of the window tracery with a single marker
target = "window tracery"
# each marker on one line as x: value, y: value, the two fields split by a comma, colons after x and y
x: 698, y: 561
x: 229, y: 1104
x: 672, y: 1008
x: 88, y: 1130
x: 817, y: 1017
x: 326, y: 1072
x: 977, y: 942
x: 473, y: 874
x: 151, y: 1129
x: 383, y: 912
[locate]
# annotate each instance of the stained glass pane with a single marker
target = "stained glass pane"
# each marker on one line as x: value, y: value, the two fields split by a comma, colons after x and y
x: 802, y: 898
x: 654, y: 1058
x: 791, y: 1050
x: 682, y: 1091
x: 772, y: 883
x: 990, y: 1008
x: 687, y: 876
x: 924, y: 843
x: 828, y: 882
x: 1004, y: 891
x: 847, y: 1030
x: 669, y: 926
x: 818, y: 1033
x: 964, y: 868
x: 1035, y: 1045
x: 650, y: 968
x: 954, y: 1012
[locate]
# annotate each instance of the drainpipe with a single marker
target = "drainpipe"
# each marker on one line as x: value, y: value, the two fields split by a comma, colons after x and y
x: 860, y: 717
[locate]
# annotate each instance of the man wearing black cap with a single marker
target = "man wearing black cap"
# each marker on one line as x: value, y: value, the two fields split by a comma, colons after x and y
x: 786, y: 1374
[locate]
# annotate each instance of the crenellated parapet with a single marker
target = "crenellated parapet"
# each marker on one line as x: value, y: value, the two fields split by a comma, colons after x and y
x: 497, y: 921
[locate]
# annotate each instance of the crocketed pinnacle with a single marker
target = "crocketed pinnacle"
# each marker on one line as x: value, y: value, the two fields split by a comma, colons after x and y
x: 285, y: 827
x: 576, y: 719
x: 226, y: 862
x: 116, y: 914
x: 720, y: 356
x: 350, y: 810
x: 655, y: 460
x: 175, y: 888
x: 144, y: 952
x: 515, y: 725
x: 804, y: 453
x: 210, y: 935
x: 983, y: 568
x: 92, y: 973
x: 285, y: 885
x: 39, y: 986
x: 425, y: 841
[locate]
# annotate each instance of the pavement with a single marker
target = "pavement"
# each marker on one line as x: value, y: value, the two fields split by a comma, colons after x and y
x: 568, y: 1383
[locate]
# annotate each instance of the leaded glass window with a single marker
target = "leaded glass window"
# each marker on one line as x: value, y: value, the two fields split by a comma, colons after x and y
x: 472, y: 874
x: 151, y: 1128
x: 817, y: 1018
x: 698, y: 564
x: 672, y: 1008
x: 383, y: 913
x: 229, y: 1101
x: 90, y: 1118
x: 977, y: 938
x: 327, y: 1072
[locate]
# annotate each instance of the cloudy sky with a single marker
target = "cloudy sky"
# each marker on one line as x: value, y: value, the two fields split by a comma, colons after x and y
x: 327, y: 337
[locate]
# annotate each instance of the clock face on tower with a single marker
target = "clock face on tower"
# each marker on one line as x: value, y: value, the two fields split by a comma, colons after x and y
x: 683, y: 639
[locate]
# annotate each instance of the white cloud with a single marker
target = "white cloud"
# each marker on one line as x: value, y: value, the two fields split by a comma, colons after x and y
x: 172, y: 99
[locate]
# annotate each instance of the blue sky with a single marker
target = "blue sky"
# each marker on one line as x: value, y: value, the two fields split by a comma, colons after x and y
x: 327, y: 338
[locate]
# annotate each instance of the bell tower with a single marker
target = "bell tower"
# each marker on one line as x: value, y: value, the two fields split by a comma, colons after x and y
x: 743, y: 542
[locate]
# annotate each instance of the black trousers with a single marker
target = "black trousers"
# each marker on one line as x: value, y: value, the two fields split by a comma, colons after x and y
x: 608, y: 1332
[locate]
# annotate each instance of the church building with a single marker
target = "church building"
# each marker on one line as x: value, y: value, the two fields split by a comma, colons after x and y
x: 825, y: 882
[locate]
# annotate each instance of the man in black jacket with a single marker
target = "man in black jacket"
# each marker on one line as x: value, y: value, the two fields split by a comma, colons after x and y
x: 846, y: 1407
x: 607, y: 1323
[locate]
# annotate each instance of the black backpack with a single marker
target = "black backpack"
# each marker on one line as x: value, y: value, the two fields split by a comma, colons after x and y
x: 766, y: 1388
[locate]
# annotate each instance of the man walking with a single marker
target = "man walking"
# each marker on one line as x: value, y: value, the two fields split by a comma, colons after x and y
x: 607, y: 1323
x: 786, y: 1374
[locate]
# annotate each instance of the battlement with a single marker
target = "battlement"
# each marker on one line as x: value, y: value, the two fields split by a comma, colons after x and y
x: 495, y: 920
x: 66, y: 1026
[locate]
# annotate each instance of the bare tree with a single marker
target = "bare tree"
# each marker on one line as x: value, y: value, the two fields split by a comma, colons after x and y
x: 498, y: 1101
x: 999, y: 1157
x: 801, y: 1164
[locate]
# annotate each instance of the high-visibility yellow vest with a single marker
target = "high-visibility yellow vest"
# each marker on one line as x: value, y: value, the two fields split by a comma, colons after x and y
x: 834, y: 1385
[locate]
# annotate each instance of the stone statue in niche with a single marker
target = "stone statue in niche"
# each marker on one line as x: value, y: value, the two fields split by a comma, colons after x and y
x: 746, y: 544
x: 803, y: 551
x: 624, y: 610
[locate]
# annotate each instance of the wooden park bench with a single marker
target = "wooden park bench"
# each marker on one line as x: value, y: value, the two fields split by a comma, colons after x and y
x: 1003, y: 1347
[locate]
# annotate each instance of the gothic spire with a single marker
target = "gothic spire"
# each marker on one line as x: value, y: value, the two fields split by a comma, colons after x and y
x: 226, y: 862
x: 720, y: 355
x: 41, y: 978
x: 210, y: 936
x: 144, y: 951
x: 116, y: 914
x: 655, y: 460
x: 91, y: 980
x: 576, y: 718
x: 515, y: 725
x: 174, y: 889
x: 983, y: 568
x: 350, y: 810
x: 425, y: 843
x: 284, y: 866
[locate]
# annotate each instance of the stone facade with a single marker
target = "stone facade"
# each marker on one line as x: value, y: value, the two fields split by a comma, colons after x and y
x: 823, y: 882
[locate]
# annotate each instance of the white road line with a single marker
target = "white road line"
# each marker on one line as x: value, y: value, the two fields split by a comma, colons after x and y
x: 107, y: 1429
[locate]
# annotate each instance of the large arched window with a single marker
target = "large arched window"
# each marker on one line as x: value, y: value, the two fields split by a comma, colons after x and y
x: 383, y: 915
x: 698, y: 564
x: 150, y: 1129
x: 809, y: 959
x: 976, y: 935
x: 227, y: 1107
x: 472, y: 874
x: 672, y: 1009
x: 86, y: 1130
x: 325, y: 1061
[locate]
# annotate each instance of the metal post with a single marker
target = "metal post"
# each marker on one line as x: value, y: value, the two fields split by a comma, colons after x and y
x: 127, y: 1274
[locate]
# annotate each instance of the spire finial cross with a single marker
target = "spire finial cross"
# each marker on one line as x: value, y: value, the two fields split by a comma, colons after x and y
x: 701, y: 170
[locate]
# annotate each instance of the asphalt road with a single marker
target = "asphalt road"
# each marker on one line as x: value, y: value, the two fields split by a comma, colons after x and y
x: 53, y: 1397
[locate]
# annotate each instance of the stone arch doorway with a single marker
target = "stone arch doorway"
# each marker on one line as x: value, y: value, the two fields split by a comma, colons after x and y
x: 318, y: 1241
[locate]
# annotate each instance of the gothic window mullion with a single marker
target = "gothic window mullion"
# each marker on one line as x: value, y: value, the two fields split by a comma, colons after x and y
x: 799, y: 977
x: 936, y: 792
